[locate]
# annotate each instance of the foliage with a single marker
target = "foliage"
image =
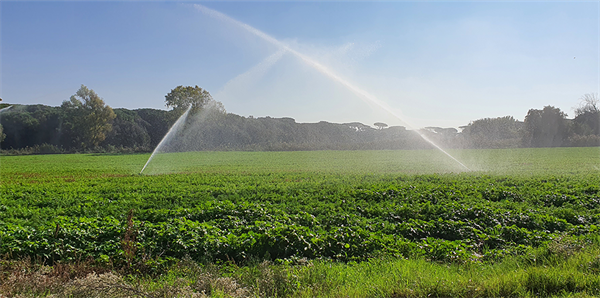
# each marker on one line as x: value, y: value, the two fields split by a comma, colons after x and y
x: 27, y: 126
x: 501, y: 132
x: 87, y: 117
x: 380, y: 125
x: 156, y: 123
x: 209, y: 127
x: 215, y: 131
x: 589, y: 140
x: 587, y: 117
x: 545, y: 128
x: 589, y: 104
x: 36, y: 126
x: 182, y: 97
x: 129, y: 130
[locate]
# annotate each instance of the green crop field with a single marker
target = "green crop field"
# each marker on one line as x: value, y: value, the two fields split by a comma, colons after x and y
x: 337, y: 207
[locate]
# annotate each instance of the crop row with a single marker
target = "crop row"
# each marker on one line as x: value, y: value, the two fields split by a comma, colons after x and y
x: 223, y: 230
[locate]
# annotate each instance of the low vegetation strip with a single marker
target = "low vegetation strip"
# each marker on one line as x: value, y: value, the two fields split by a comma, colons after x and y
x: 561, y: 268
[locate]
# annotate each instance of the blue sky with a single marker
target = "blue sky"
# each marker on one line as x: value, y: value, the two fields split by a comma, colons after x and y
x: 431, y: 63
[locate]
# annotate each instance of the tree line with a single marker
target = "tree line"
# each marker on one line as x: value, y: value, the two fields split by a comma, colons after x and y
x: 86, y: 124
x: 546, y: 127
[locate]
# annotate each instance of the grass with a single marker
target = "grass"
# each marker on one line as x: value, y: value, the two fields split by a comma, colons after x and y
x: 490, y: 161
x: 530, y: 161
x: 573, y: 276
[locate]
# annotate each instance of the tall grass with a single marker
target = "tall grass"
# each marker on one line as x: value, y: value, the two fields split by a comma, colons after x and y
x: 557, y: 269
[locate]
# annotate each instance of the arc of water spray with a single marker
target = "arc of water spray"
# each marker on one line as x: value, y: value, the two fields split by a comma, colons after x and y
x: 168, y: 136
x: 364, y: 95
x: 253, y: 74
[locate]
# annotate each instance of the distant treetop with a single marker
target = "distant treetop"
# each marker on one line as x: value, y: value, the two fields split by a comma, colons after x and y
x: 182, y: 97
x: 380, y: 125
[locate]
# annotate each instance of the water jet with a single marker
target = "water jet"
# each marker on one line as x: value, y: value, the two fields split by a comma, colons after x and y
x: 261, y: 68
x: 362, y: 94
x: 180, y: 121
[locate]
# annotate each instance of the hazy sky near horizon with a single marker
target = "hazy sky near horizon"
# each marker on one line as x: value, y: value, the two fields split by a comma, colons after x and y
x: 432, y: 63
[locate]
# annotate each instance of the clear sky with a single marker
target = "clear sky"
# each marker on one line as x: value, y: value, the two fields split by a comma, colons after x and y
x: 431, y: 63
